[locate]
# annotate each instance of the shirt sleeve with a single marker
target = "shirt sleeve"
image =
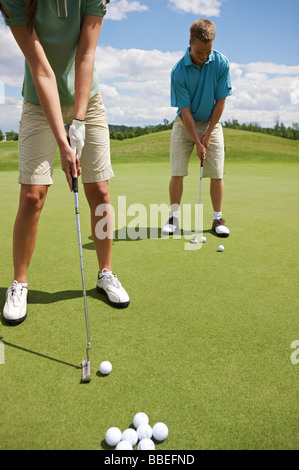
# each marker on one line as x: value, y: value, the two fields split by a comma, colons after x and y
x: 96, y: 7
x: 179, y: 96
x: 224, y: 87
x: 16, y: 10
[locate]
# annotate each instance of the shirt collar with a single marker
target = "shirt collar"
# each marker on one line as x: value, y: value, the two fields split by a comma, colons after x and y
x: 188, y: 61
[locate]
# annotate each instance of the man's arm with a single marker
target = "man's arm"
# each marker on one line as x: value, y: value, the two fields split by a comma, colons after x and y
x: 191, y: 128
x: 215, y: 118
x: 84, y: 63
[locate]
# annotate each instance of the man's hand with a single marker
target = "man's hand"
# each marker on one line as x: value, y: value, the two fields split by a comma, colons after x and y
x: 205, y: 140
x: 200, y: 150
x: 77, y: 136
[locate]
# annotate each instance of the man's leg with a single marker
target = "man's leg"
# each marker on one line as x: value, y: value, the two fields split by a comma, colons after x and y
x: 175, y: 192
x: 216, y: 192
x: 32, y: 199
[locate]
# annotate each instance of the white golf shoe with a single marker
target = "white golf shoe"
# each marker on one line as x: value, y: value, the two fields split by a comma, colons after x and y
x: 109, y: 285
x: 220, y: 228
x: 15, y: 308
x: 172, y: 226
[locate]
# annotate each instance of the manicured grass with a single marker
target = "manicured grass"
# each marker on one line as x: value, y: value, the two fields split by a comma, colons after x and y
x: 204, y: 345
x: 152, y: 148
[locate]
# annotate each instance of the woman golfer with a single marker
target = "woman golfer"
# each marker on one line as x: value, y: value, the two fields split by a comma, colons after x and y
x: 58, y: 39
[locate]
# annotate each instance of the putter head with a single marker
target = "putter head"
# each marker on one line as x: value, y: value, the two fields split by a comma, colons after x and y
x: 86, y: 375
x: 194, y: 240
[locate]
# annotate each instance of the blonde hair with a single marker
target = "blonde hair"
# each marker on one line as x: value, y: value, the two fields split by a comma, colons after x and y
x: 204, y: 30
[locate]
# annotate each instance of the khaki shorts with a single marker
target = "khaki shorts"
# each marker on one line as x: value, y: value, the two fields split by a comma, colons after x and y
x: 37, y: 144
x: 182, y: 144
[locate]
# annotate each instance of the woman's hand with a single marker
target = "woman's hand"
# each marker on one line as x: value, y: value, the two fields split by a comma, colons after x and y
x: 70, y: 163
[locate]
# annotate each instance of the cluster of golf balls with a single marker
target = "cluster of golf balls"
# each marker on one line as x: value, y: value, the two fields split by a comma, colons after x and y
x: 143, y: 434
x: 220, y: 247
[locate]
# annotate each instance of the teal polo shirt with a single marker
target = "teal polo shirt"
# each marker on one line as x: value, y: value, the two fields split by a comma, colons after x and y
x: 58, y: 25
x: 198, y: 88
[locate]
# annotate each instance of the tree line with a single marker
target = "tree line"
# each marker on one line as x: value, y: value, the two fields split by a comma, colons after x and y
x: 119, y: 132
x: 279, y: 130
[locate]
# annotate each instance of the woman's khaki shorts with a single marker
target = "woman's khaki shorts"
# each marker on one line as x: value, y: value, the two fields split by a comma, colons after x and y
x: 37, y: 144
x: 182, y: 144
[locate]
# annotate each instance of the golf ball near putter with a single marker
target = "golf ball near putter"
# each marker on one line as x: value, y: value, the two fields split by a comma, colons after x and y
x: 146, y: 444
x: 105, y: 367
x: 113, y: 436
x: 203, y: 239
x: 220, y: 248
x: 140, y: 418
x: 130, y: 435
x: 160, y: 431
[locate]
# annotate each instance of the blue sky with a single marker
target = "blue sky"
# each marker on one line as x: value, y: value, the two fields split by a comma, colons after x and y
x: 142, y: 40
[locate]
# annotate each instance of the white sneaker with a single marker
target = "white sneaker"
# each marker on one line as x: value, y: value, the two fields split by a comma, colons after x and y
x: 15, y: 308
x: 109, y: 285
x: 172, y: 226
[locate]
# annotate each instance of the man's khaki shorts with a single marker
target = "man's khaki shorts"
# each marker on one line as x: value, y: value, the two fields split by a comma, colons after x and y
x: 182, y: 144
x: 37, y: 144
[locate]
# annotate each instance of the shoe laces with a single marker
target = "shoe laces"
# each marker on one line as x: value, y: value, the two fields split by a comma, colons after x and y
x: 16, y: 292
x: 112, y: 278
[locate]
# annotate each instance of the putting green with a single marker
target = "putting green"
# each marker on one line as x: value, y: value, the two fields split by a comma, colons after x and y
x: 205, y: 345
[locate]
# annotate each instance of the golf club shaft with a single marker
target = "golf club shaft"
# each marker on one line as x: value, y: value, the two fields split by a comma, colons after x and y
x: 75, y: 188
x: 201, y: 171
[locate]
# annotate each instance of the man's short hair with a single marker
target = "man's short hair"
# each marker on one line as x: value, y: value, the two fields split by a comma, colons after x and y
x: 204, y: 30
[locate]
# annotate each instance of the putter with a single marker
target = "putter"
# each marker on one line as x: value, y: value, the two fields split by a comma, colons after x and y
x: 86, y: 373
x: 194, y: 240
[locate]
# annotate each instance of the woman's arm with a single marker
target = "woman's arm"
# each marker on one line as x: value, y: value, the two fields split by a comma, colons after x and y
x: 84, y: 63
x: 46, y: 87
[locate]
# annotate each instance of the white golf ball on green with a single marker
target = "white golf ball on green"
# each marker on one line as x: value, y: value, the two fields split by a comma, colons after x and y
x: 113, y: 436
x: 160, y: 431
x: 140, y: 418
x: 130, y: 435
x: 203, y: 239
x: 146, y: 444
x: 124, y: 445
x: 105, y: 368
x: 144, y: 431
x: 220, y: 248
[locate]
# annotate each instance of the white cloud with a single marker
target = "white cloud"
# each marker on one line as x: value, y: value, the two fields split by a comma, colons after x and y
x: 118, y: 9
x: 197, y: 7
x: 135, y: 85
x: 262, y: 92
x: 11, y: 59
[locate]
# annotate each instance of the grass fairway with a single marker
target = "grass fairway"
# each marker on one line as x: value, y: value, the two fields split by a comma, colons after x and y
x: 205, y: 345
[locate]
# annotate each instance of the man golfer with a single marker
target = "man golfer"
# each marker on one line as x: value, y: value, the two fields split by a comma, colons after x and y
x: 58, y: 40
x: 200, y: 83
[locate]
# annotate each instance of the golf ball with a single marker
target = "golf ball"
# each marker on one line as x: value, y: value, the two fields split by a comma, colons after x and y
x: 105, y: 367
x: 124, y: 445
x: 146, y: 444
x: 140, y: 418
x: 203, y: 239
x: 220, y: 248
x: 130, y: 435
x: 160, y: 431
x: 113, y: 436
x: 144, y: 431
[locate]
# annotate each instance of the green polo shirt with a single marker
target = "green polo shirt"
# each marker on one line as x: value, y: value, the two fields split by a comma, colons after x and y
x: 58, y: 25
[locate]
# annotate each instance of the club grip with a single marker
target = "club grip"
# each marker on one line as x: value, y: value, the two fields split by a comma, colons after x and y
x: 75, y: 184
